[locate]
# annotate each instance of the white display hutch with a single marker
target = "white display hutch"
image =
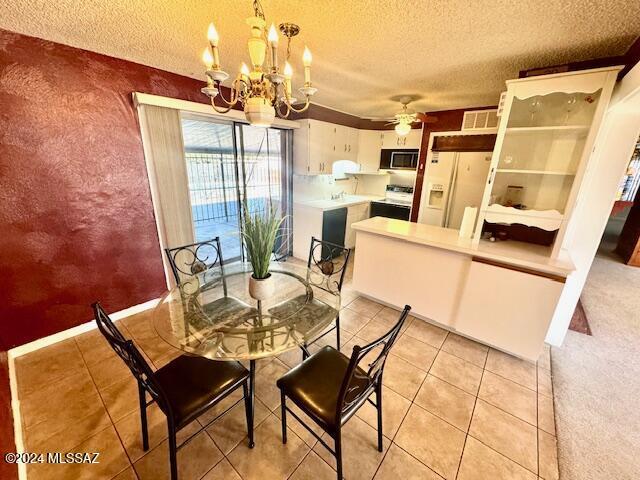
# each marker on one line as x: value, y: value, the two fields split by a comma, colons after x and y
x: 546, y: 134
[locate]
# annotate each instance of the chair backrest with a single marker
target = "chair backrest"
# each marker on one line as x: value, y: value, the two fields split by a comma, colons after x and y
x: 352, y: 391
x: 327, y: 265
x: 189, y: 260
x: 131, y: 356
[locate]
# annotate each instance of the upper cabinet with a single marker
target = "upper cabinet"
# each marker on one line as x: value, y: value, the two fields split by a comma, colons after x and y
x: 317, y: 144
x: 545, y: 138
x: 369, y: 145
x: 390, y: 139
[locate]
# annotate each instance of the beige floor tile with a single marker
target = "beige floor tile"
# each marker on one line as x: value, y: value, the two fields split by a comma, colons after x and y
x: 427, y: 333
x: 112, y: 460
x: 373, y: 331
x: 46, y: 365
x: 67, y: 399
x: 366, y: 307
x: 509, y: 396
x: 94, y: 347
x: 466, y: 349
x: 402, y: 377
x: 515, y: 369
x: 222, y: 406
x: 231, y: 429
x: 109, y: 371
x: 546, y: 419
x: 446, y: 401
x: 544, y: 361
x: 46, y: 437
x: 398, y: 464
x: 415, y: 352
x: 128, y: 474
x: 390, y: 316
x: 545, y: 384
x: 291, y: 358
x: 360, y: 455
x: 222, y: 471
x: 130, y: 431
x: 270, y: 458
x: 297, y: 427
x: 351, y: 321
x: 548, y: 456
x: 313, y: 468
x: 121, y: 398
x: 432, y: 441
x: 266, y: 378
x: 194, y: 459
x: 457, y: 372
x: 508, y: 435
x: 394, y: 409
x: 479, y: 462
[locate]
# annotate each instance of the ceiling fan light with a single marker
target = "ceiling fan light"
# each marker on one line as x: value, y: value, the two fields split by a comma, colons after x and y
x: 403, y: 129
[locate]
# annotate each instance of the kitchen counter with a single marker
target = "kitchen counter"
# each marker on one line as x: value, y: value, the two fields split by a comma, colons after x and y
x: 347, y: 201
x: 514, y: 253
x: 503, y: 294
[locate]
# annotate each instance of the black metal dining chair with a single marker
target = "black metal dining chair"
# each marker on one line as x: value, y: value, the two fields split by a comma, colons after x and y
x: 183, y: 389
x: 326, y: 268
x: 330, y: 387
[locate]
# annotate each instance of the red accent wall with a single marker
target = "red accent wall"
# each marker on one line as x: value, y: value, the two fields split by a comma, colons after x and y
x: 76, y: 217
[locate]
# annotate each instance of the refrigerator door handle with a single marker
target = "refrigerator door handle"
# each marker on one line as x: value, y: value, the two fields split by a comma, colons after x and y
x: 451, y: 190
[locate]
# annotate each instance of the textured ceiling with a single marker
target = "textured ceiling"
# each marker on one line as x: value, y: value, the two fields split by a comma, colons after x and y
x: 453, y: 53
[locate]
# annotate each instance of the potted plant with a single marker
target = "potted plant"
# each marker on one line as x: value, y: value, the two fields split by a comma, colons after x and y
x: 260, y: 231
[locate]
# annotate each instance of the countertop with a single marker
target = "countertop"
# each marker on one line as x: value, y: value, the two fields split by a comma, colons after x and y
x: 347, y: 201
x: 514, y: 253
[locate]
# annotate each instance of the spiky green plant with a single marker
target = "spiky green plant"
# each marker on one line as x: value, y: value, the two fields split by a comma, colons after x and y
x: 259, y: 232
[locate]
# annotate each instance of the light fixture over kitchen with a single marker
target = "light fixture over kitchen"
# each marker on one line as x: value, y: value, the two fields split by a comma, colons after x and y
x: 405, y: 118
x: 262, y: 94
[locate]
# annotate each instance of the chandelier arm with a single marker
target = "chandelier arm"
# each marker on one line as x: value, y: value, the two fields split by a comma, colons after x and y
x: 278, y: 109
x: 234, y: 98
x: 300, y: 110
x: 218, y: 109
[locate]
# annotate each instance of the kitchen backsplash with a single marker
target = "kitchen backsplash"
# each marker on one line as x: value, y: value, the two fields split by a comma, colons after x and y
x: 317, y: 187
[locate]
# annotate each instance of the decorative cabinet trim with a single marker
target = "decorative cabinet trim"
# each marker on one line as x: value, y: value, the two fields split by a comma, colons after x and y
x: 546, y: 219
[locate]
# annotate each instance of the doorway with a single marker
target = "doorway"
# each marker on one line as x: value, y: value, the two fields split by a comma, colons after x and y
x: 227, y: 164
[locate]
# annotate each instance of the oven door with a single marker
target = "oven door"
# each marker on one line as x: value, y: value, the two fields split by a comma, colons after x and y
x: 404, y: 160
x: 390, y: 210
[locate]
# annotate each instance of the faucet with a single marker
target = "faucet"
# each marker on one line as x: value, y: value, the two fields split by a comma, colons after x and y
x: 338, y: 196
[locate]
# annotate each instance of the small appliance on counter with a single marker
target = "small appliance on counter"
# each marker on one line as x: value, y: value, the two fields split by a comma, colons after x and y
x: 396, y: 204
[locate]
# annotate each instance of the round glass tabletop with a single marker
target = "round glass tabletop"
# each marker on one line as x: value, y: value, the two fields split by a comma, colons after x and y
x: 212, y: 314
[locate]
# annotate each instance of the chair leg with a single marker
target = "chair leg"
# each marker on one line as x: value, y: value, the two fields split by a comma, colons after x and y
x: 283, y: 414
x: 173, y: 452
x: 338, y: 448
x: 143, y: 417
x: 305, y: 352
x: 338, y: 332
x: 248, y: 412
x: 379, y: 408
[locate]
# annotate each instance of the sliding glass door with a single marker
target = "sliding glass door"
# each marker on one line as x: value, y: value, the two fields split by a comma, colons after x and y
x: 227, y: 164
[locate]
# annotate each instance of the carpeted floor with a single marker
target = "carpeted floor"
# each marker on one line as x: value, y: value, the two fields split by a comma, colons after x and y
x: 596, y: 378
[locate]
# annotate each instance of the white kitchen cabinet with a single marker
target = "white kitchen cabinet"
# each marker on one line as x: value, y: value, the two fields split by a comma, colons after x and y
x: 313, y: 147
x: 526, y: 302
x: 369, y: 145
x: 544, y: 142
x: 392, y: 140
x: 355, y: 214
x: 345, y: 145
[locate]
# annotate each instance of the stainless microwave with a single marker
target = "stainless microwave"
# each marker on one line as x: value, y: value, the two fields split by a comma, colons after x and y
x: 399, y: 158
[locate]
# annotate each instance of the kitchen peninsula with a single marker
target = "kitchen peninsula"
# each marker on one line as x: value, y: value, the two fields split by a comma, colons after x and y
x: 503, y: 294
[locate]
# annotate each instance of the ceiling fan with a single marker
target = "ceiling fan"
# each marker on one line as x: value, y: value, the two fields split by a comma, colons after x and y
x: 403, y: 119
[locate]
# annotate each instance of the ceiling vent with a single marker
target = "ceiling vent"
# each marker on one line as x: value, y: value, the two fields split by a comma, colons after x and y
x: 480, y: 120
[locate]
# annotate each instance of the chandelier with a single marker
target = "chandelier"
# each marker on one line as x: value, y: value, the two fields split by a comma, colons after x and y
x: 262, y: 91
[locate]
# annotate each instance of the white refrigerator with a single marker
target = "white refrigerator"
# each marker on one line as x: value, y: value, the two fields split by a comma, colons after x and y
x: 454, y: 180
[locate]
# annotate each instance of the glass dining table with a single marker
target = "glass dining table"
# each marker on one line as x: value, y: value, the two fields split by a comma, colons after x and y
x: 212, y: 314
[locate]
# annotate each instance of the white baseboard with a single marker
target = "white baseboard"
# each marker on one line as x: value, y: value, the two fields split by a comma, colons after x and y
x: 45, y: 342
x: 77, y: 330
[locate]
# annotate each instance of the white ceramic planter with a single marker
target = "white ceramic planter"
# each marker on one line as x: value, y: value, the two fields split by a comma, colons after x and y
x: 261, y: 289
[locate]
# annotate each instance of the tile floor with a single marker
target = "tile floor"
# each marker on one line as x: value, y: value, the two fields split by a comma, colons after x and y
x: 452, y: 409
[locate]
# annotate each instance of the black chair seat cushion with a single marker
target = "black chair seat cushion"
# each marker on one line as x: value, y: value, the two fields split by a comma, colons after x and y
x: 191, y: 383
x: 312, y: 316
x: 314, y: 385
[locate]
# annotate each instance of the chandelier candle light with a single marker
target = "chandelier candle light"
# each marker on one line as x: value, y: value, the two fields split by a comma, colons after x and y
x: 263, y: 95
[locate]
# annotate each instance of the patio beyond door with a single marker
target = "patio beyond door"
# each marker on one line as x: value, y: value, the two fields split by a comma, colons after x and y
x: 227, y: 164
